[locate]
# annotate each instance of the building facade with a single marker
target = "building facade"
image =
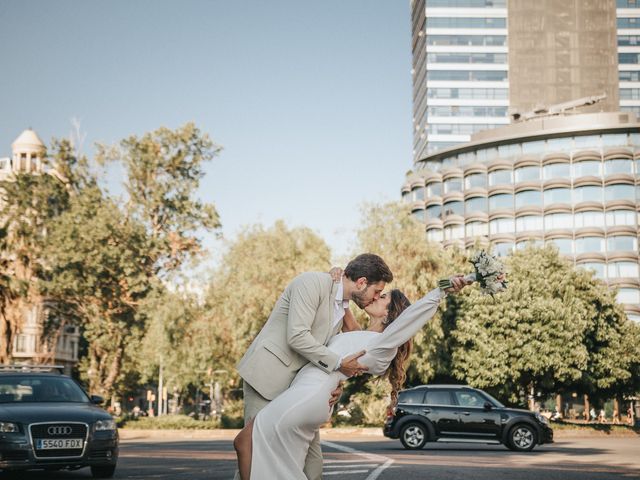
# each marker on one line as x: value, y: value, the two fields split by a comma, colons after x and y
x: 573, y: 181
x: 477, y: 62
x: 29, y: 344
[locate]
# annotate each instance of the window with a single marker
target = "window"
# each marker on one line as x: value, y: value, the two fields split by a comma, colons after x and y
x: 587, y: 193
x: 618, y: 165
x: 453, y: 232
x: 527, y: 174
x: 21, y: 343
x: 587, y: 141
x: 468, y: 40
x: 501, y: 200
x: 533, y: 148
x: 628, y: 295
x: 589, y: 244
x: 503, y: 249
x: 435, y: 235
x: 418, y: 194
x: 434, y: 189
x: 438, y: 397
x: 556, y: 170
x: 623, y: 270
x: 406, y: 197
x: 476, y: 204
x: 522, y: 244
x: 466, y: 398
x: 475, y: 180
x: 418, y: 215
x: 619, y: 192
x: 622, y: 243
x: 528, y: 198
x: 590, y: 218
x: 453, y: 185
x: 468, y: 75
x: 501, y: 225
x: 434, y: 212
x: 511, y: 150
x: 411, y: 397
x: 499, y: 177
x: 564, y: 245
x: 471, y: 3
x: 558, y: 220
x: 588, y: 168
x: 451, y: 57
x: 598, y: 268
x: 453, y: 208
x: 528, y: 223
x: 476, y: 229
x: 620, y: 217
x: 557, y: 195
x: 467, y: 22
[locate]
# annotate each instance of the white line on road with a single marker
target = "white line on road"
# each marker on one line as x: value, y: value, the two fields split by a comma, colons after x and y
x: 344, y: 472
x: 369, y: 456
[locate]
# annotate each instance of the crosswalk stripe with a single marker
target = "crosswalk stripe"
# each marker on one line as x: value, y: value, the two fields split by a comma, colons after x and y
x: 386, y: 461
x: 344, y: 472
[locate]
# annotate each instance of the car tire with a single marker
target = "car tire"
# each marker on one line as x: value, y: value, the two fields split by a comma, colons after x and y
x: 522, y: 438
x: 414, y: 436
x: 103, y: 471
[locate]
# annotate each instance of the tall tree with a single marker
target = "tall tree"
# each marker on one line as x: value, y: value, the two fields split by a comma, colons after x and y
x: 163, y: 173
x: 555, y: 329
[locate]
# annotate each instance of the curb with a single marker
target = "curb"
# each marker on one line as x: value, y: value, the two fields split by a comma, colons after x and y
x: 227, y: 434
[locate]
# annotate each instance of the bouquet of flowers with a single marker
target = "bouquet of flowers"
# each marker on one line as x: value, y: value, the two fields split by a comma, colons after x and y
x: 489, y: 272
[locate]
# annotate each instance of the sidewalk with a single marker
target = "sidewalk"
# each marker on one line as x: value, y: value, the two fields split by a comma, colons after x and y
x: 325, y: 433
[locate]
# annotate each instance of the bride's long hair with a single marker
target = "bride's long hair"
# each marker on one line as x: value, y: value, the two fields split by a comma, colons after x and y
x: 396, y: 373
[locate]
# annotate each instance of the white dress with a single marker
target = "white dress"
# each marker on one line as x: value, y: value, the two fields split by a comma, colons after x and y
x: 283, y: 430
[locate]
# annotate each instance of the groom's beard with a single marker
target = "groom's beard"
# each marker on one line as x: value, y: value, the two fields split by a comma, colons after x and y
x: 359, y: 298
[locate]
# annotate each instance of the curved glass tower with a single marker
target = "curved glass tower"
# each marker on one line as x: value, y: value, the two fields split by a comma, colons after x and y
x: 573, y: 181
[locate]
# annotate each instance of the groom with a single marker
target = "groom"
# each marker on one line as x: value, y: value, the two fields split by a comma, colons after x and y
x: 306, y: 316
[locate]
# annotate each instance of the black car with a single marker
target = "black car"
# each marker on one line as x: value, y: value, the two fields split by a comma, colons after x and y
x: 455, y: 413
x: 47, y: 421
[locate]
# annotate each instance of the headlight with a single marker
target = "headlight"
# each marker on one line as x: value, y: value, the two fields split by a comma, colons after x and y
x: 8, y: 427
x: 105, y: 425
x: 542, y: 419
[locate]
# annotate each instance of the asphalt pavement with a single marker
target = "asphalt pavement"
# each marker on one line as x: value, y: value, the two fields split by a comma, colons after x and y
x: 367, y: 457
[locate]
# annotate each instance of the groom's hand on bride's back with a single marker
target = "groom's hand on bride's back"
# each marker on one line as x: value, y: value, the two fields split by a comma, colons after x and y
x: 350, y: 365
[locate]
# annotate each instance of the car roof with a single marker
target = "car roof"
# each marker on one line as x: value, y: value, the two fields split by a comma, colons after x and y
x: 53, y: 370
x: 439, y: 386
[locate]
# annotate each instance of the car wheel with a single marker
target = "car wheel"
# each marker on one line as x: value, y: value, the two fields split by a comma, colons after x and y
x: 414, y: 436
x: 103, y: 471
x: 522, y: 438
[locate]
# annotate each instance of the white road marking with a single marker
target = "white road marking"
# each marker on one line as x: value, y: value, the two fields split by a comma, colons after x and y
x: 344, y: 472
x: 385, y: 462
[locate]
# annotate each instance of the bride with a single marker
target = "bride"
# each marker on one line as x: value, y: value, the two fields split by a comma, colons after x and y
x: 274, y: 444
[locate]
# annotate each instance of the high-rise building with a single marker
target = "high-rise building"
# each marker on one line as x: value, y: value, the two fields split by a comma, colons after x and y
x: 566, y: 168
x: 477, y: 62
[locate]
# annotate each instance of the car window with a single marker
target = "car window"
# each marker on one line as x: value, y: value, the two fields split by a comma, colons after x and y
x: 16, y: 389
x: 438, y: 397
x: 469, y: 399
x: 411, y: 396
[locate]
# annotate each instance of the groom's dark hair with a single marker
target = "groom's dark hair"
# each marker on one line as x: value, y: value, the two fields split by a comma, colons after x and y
x: 370, y: 266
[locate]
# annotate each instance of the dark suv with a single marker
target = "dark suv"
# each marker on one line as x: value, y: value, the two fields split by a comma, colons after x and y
x: 48, y: 422
x: 455, y: 413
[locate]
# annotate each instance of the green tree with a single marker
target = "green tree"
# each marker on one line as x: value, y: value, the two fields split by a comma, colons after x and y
x: 555, y: 329
x: 163, y: 172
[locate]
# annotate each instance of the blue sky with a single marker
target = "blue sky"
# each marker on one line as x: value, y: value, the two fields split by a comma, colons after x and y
x: 311, y: 100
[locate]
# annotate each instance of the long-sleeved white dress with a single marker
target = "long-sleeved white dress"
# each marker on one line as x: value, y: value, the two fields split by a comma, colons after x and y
x: 283, y: 430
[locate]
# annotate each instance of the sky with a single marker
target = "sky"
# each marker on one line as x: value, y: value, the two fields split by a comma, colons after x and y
x: 311, y: 100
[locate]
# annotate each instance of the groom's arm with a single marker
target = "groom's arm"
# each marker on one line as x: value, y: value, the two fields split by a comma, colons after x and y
x: 304, y: 302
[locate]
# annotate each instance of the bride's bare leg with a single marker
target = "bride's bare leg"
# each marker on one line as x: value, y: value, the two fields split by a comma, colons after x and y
x: 243, y: 446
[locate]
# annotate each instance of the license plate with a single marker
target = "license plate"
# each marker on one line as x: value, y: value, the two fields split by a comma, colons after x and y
x: 62, y: 443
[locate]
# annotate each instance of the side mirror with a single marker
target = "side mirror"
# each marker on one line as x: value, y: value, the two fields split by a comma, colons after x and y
x: 487, y: 406
x: 97, y: 399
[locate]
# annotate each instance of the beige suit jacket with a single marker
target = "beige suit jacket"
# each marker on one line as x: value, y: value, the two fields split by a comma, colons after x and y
x: 297, y: 332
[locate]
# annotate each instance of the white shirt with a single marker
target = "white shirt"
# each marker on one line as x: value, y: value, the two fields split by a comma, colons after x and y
x: 339, y: 305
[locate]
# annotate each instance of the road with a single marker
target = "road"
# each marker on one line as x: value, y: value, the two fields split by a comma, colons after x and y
x: 362, y: 457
